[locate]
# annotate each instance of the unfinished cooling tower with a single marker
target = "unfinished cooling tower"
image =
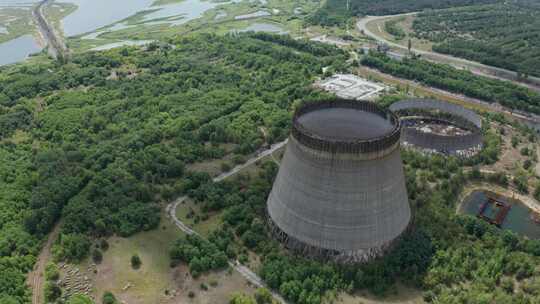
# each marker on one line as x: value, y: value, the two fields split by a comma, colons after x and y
x: 340, y: 191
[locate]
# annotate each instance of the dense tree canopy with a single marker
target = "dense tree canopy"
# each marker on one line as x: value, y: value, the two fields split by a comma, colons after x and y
x: 505, y: 35
x: 101, y: 140
x: 452, y: 258
x: 338, y: 11
x: 448, y: 78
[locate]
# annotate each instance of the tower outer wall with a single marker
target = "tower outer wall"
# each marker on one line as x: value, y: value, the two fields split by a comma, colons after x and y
x: 343, y: 200
x: 461, y: 145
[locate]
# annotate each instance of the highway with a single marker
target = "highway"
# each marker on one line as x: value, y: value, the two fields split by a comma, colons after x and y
x: 247, y: 273
x: 475, y: 67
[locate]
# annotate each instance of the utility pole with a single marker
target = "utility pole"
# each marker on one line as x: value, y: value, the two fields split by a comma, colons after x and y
x: 347, y: 24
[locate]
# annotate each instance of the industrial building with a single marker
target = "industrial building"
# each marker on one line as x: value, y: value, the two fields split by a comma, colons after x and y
x: 340, y: 191
x: 350, y: 86
x: 435, y: 126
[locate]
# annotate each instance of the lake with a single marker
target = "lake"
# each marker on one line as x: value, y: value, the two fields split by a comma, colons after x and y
x: 518, y: 220
x: 264, y: 27
x: 93, y: 14
x: 18, y: 49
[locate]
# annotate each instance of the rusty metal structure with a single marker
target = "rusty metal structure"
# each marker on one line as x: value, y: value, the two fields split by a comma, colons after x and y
x: 340, y: 191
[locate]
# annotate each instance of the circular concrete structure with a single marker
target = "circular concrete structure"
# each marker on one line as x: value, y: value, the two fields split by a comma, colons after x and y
x: 340, y: 191
x: 414, y: 111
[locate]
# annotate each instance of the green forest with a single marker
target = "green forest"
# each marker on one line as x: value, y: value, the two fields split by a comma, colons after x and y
x: 448, y: 78
x: 336, y: 11
x: 451, y: 258
x: 99, y: 144
x: 505, y: 35
x: 101, y: 141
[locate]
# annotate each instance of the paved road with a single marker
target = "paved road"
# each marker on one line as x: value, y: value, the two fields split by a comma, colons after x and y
x: 57, y: 47
x: 243, y: 270
x: 474, y: 67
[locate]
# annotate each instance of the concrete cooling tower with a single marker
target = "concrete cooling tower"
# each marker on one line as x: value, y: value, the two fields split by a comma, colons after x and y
x: 340, y: 191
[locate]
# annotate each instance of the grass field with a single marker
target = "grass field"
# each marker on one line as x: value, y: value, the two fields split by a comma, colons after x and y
x: 146, y: 284
x: 401, y: 295
x: 155, y: 281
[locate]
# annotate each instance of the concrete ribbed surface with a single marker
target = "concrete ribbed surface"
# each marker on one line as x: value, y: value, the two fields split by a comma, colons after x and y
x: 345, y: 205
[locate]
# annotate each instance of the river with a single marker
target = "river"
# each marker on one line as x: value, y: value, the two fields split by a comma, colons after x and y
x: 18, y: 49
x: 94, y: 14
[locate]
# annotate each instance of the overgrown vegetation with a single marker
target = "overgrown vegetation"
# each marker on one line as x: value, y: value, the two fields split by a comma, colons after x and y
x: 201, y: 255
x: 505, y: 34
x: 452, y: 258
x: 338, y: 11
x: 100, y: 141
x: 448, y: 78
x: 391, y: 26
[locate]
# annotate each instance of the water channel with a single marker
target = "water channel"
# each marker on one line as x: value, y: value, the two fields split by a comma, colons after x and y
x: 95, y: 14
x: 18, y: 49
x: 519, y: 219
x: 107, y: 15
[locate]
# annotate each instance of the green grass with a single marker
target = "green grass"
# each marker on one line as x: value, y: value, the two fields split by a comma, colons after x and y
x: 149, y: 282
x: 204, y: 227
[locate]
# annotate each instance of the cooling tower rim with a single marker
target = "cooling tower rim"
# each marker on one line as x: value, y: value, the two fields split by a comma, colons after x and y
x: 354, y: 146
x: 435, y: 104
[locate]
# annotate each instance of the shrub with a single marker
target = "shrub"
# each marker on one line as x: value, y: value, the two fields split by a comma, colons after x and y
x: 51, y: 272
x: 109, y: 298
x: 136, y: 261
x: 104, y: 245
x: 97, y: 256
x: 52, y: 291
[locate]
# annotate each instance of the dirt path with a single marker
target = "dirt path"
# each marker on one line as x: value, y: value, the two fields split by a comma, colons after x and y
x: 36, y: 277
x: 243, y: 270
x: 474, y: 67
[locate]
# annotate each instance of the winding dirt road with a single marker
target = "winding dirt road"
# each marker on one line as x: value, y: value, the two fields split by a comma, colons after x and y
x: 247, y: 273
x: 474, y: 67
